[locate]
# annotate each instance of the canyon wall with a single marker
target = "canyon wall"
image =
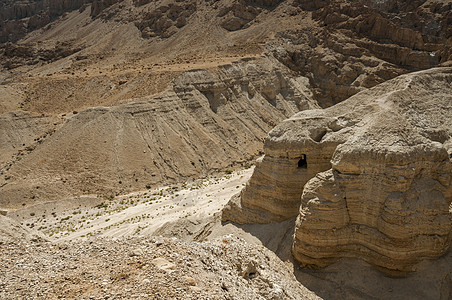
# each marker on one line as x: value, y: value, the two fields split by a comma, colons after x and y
x: 17, y: 18
x: 352, y: 45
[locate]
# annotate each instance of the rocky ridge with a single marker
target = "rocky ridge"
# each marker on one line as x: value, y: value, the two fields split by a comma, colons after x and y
x: 131, y: 52
x: 372, y: 173
x: 100, y: 98
x: 342, y: 47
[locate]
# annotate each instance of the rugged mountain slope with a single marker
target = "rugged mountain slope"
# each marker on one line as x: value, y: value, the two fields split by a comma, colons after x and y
x: 199, y: 77
x: 206, y: 121
x: 359, y: 44
x: 373, y: 174
x: 105, y: 97
x: 341, y: 46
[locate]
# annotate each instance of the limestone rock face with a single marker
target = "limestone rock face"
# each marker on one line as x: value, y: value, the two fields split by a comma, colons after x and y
x: 373, y: 173
x: 363, y: 43
x: 164, y: 20
x: 237, y: 15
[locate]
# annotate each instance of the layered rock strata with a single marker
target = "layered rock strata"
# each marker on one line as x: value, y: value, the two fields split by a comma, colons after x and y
x: 360, y: 44
x: 206, y: 121
x: 373, y: 174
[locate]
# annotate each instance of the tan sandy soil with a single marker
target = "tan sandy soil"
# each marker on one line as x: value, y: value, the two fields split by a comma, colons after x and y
x: 135, y: 214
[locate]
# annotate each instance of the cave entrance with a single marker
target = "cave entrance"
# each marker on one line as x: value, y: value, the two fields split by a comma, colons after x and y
x: 302, y: 163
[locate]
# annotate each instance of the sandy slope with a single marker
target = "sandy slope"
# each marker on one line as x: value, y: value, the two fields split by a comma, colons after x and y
x: 116, y: 66
x: 83, y: 60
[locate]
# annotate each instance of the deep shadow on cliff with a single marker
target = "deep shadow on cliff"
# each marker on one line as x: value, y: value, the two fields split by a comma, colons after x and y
x: 353, y: 278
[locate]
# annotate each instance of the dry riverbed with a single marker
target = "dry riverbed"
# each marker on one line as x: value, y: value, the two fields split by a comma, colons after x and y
x: 135, y: 214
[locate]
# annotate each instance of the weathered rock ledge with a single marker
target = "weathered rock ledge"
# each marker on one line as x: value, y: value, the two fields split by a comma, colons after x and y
x: 373, y: 174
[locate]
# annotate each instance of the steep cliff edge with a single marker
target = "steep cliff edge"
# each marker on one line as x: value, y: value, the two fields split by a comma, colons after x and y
x: 373, y: 174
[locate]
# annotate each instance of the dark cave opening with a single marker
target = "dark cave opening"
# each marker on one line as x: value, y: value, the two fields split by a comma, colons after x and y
x: 302, y: 163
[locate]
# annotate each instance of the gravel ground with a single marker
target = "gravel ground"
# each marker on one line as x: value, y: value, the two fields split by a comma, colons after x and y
x: 144, y: 268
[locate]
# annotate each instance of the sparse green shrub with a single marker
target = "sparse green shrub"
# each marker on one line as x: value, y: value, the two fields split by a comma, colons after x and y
x: 108, y: 197
x: 102, y: 205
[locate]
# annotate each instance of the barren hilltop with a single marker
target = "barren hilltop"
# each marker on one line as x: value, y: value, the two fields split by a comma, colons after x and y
x: 129, y: 133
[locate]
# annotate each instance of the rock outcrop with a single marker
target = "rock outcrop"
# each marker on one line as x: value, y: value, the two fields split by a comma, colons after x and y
x: 16, y: 55
x: 360, y: 44
x: 19, y: 17
x: 238, y: 14
x: 374, y: 175
x: 165, y: 20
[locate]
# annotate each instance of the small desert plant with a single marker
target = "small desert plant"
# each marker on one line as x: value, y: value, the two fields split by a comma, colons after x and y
x: 108, y: 197
x: 102, y: 205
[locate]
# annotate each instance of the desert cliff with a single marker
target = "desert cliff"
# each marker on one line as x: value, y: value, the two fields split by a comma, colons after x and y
x: 369, y: 177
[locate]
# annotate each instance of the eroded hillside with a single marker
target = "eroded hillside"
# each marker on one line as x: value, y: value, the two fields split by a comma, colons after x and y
x: 206, y: 79
x: 104, y: 103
